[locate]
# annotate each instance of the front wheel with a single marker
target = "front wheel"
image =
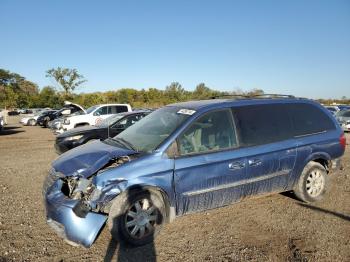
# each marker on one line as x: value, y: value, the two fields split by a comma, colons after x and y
x: 32, y: 122
x: 136, y: 218
x: 313, y: 183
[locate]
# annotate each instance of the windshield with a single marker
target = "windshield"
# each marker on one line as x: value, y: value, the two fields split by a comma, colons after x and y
x: 110, y: 120
x: 148, y: 133
x: 90, y: 109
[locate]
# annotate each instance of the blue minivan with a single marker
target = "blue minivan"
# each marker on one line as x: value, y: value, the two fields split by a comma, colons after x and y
x: 189, y: 157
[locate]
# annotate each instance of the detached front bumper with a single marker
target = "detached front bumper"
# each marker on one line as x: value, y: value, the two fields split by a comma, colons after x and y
x: 60, y: 216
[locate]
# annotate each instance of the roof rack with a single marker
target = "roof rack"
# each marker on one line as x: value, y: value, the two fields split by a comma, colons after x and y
x: 255, y: 96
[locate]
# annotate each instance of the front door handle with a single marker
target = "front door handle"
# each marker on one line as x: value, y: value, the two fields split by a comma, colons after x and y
x: 254, y: 162
x: 236, y: 165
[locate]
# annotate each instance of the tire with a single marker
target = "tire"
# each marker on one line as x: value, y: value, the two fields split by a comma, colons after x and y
x: 31, y: 122
x: 150, y: 215
x: 312, y: 184
x: 46, y: 122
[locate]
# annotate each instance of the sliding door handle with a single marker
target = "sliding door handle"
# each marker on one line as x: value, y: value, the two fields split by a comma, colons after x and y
x: 236, y: 165
x: 254, y: 162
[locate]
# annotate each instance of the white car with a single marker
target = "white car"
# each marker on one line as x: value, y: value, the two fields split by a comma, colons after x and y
x: 29, y: 120
x: 2, y: 123
x: 94, y: 115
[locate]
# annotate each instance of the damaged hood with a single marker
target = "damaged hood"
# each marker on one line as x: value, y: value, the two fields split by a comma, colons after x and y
x: 79, y: 107
x: 87, y: 159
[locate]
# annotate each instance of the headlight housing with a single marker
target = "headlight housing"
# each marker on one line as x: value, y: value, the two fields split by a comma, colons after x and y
x: 50, y: 180
x: 72, y: 138
x: 66, y: 121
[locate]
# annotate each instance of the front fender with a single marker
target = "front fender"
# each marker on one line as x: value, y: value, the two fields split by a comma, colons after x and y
x: 147, y: 172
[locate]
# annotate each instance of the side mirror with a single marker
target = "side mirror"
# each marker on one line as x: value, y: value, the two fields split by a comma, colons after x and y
x: 66, y: 112
x: 97, y: 113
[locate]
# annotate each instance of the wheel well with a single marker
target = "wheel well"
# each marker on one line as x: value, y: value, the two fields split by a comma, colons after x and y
x: 81, y: 124
x: 324, y: 162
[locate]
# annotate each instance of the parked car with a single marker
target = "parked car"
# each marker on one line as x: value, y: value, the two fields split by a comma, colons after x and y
x: 2, y: 123
x: 13, y: 112
x: 31, y: 120
x: 109, y: 127
x: 343, y: 118
x: 69, y: 109
x: 46, y: 117
x: 344, y: 107
x: 94, y: 115
x: 333, y: 109
x: 189, y: 157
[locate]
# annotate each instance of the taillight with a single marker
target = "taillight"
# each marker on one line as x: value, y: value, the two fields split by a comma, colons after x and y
x: 342, y: 140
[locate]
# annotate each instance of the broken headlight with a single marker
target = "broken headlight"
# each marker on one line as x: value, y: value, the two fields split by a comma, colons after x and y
x: 77, y: 187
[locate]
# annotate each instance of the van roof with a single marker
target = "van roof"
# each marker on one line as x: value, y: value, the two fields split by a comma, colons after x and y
x: 213, y: 103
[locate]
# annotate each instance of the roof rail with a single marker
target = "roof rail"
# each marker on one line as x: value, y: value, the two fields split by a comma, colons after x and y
x: 255, y: 96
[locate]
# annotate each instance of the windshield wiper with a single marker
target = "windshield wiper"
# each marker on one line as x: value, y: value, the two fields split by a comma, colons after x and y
x: 125, y: 143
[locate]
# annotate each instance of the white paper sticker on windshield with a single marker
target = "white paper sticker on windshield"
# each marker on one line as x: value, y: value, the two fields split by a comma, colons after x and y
x: 186, y: 112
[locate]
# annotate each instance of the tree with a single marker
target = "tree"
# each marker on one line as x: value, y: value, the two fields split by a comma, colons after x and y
x: 255, y: 92
x: 8, y: 97
x: 202, y: 92
x: 68, y: 79
x: 15, y: 90
x: 175, y: 92
x: 48, y: 97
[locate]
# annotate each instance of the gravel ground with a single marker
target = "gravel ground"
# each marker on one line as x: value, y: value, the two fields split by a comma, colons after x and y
x: 271, y: 228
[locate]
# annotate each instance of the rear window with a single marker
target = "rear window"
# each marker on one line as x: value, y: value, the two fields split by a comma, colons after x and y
x: 262, y: 124
x: 308, y: 119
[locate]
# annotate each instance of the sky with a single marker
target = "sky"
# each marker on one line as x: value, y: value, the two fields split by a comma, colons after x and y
x: 291, y: 47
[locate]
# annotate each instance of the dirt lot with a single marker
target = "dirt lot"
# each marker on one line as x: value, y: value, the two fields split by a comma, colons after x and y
x: 271, y: 228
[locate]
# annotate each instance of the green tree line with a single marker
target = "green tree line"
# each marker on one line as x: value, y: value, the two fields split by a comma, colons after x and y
x: 18, y: 92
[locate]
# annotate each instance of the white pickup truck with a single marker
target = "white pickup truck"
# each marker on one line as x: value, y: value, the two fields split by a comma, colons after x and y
x: 94, y: 115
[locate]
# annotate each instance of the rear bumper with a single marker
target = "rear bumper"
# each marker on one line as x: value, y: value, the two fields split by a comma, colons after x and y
x: 61, y: 218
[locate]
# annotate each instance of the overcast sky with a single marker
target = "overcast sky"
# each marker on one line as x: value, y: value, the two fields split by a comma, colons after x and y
x: 291, y: 47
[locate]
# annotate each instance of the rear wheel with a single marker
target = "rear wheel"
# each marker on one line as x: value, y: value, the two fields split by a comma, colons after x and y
x: 313, y: 183
x: 136, y: 218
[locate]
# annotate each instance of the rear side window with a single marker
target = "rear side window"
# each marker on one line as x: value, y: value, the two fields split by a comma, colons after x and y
x: 117, y: 109
x: 308, y: 119
x: 101, y: 111
x: 262, y: 124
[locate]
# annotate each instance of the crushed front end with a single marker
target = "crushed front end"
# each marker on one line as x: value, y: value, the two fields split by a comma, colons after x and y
x: 75, y: 228
x: 75, y: 207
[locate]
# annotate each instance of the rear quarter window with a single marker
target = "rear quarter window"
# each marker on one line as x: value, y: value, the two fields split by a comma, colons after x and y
x: 117, y: 109
x: 309, y: 119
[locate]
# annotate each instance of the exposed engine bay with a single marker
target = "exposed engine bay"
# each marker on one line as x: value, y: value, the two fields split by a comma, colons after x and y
x: 82, y: 189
